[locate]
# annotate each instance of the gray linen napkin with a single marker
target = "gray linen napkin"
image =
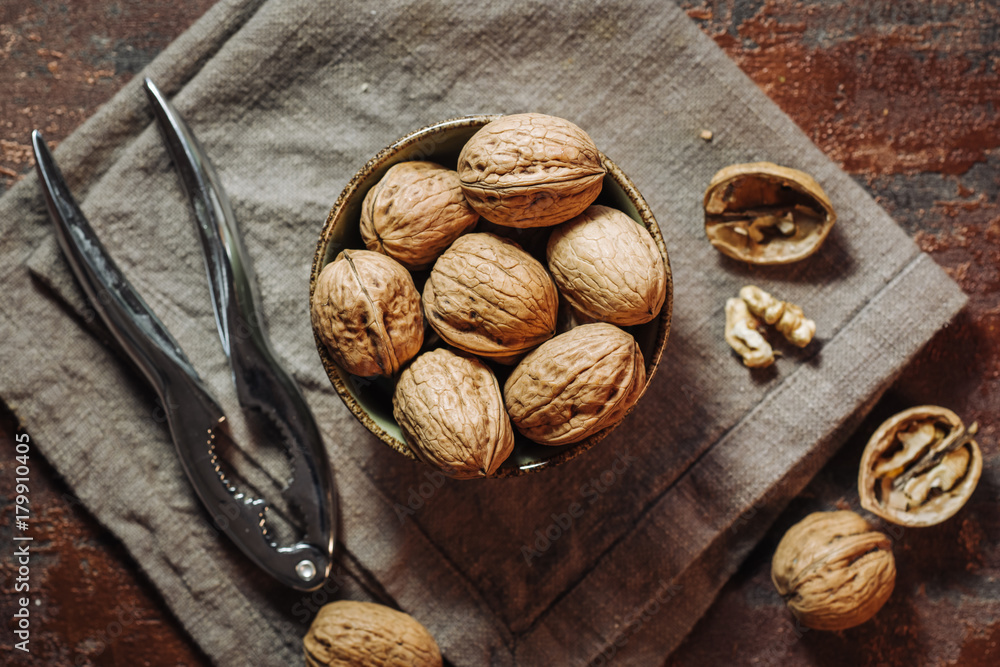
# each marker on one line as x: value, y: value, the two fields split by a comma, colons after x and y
x: 613, y: 555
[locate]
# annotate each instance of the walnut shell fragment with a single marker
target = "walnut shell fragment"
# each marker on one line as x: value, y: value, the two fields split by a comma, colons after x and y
x: 919, y: 467
x: 833, y: 570
x: 364, y: 634
x: 451, y: 412
x: 414, y: 213
x: 530, y: 170
x: 576, y: 384
x: 608, y: 267
x: 366, y: 310
x: 487, y: 296
x: 763, y: 213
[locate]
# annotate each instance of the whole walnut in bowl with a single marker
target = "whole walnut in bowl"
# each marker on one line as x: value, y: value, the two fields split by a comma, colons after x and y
x: 487, y: 296
x: 530, y: 170
x: 575, y: 385
x: 464, y: 316
x: 452, y: 414
x: 366, y: 311
x: 415, y: 212
x: 608, y: 267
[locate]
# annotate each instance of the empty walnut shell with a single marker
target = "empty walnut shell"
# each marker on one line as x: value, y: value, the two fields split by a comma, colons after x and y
x: 762, y: 213
x: 919, y: 467
x: 487, y: 296
x: 608, y: 267
x: 414, y: 212
x: 366, y: 310
x: 364, y: 634
x: 530, y: 170
x: 833, y: 570
x: 451, y: 412
x: 576, y: 384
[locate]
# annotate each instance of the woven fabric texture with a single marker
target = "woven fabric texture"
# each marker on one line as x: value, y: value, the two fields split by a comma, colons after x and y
x: 290, y: 98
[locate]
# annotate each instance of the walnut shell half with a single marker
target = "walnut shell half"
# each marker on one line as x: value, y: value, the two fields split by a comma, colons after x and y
x: 414, y: 212
x: 919, y: 467
x: 364, y: 634
x: 608, y: 267
x: 451, y: 412
x: 833, y: 570
x: 530, y: 170
x: 763, y: 213
x: 366, y: 310
x: 487, y: 296
x: 576, y: 384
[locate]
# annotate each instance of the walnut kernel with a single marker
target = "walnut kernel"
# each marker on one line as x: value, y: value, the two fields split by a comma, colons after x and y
x: 786, y: 317
x: 743, y: 335
x: 920, y: 467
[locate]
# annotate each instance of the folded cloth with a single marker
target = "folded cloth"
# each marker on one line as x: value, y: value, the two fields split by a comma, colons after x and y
x: 614, y: 554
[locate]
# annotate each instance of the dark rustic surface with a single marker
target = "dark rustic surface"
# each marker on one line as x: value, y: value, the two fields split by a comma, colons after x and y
x: 903, y: 95
x: 906, y: 97
x: 91, y: 606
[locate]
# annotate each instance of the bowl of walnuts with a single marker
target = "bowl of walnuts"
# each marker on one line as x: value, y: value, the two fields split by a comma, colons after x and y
x: 491, y: 295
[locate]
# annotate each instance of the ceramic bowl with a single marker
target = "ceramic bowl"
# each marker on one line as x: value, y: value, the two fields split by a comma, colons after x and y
x: 370, y: 399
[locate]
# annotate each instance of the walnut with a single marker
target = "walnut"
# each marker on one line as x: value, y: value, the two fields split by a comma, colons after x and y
x: 366, y: 310
x: 743, y: 335
x: 920, y: 467
x: 364, y: 634
x: 487, y: 296
x: 532, y: 240
x: 576, y: 384
x: 414, y: 212
x: 833, y: 570
x: 451, y: 412
x: 530, y: 170
x: 765, y: 214
x: 608, y: 267
x: 786, y: 317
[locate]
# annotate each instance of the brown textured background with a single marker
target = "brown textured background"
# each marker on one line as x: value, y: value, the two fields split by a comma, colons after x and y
x: 904, y: 95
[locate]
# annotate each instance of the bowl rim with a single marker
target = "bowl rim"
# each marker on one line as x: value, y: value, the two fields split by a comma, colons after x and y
x: 568, y: 452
